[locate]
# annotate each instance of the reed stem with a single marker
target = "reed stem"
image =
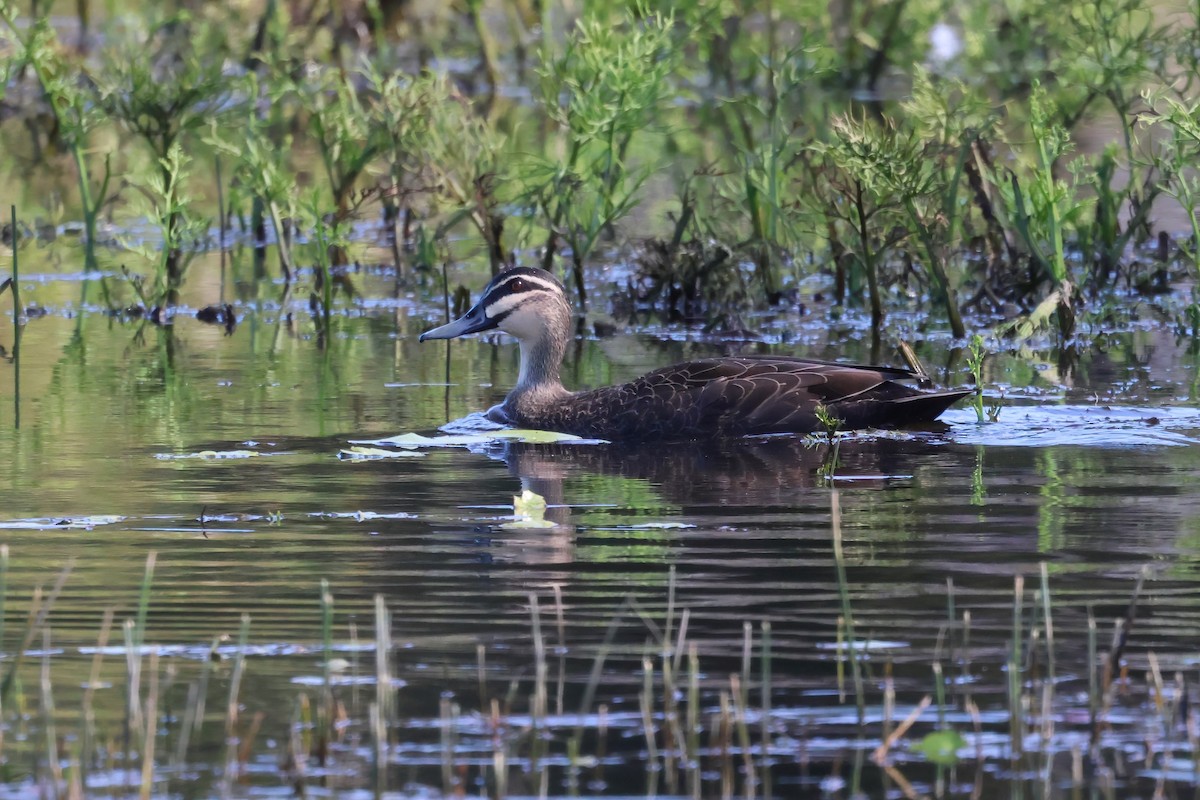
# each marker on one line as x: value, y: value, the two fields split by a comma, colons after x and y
x: 835, y: 513
x: 17, y: 311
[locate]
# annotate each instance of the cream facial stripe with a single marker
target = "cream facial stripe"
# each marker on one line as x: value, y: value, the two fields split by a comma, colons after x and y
x: 498, y: 309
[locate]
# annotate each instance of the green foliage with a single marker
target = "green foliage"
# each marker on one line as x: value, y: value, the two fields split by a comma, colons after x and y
x: 339, y: 123
x: 462, y: 152
x: 1180, y: 154
x: 830, y: 424
x: 330, y: 234
x: 261, y: 169
x: 165, y: 205
x: 1042, y: 217
x: 894, y: 167
x: 71, y: 102
x: 160, y: 83
x: 975, y: 366
x: 799, y: 138
x: 1040, y: 208
x: 609, y: 84
x: 977, y: 355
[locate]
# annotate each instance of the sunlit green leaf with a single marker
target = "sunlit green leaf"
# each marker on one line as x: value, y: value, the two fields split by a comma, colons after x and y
x: 941, y: 747
x: 529, y: 508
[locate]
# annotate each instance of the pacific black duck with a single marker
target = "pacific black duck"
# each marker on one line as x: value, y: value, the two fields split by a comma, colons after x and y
x: 711, y: 397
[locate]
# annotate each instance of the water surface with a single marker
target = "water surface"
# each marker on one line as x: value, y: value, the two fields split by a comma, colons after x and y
x: 219, y: 454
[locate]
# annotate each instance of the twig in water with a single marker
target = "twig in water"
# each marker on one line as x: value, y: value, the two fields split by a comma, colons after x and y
x: 881, y: 752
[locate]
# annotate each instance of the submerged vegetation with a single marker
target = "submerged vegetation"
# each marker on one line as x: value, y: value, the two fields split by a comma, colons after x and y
x: 891, y: 151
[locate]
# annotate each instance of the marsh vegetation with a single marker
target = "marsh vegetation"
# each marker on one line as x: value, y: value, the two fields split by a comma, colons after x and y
x: 889, y: 155
x: 229, y: 221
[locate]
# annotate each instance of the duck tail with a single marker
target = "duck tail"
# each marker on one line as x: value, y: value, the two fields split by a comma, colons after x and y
x: 928, y: 406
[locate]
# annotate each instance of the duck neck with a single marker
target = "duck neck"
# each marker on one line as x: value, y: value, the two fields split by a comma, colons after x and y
x: 541, y: 360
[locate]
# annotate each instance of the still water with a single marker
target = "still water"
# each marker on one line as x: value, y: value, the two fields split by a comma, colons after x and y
x: 218, y: 453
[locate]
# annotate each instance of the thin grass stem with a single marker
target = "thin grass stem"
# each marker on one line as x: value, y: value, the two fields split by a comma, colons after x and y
x: 151, y: 735
x: 835, y: 514
x: 144, y: 599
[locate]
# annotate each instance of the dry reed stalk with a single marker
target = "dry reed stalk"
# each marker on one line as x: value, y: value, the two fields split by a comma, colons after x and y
x: 724, y: 729
x: 86, y: 706
x: 481, y: 673
x: 151, y: 735
x: 902, y: 783
x: 737, y: 691
x: 765, y: 693
x: 646, y: 705
x: 560, y: 619
x: 881, y: 752
x: 47, y: 713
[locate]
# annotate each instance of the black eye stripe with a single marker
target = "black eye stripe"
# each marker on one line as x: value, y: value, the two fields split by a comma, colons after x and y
x: 518, y: 283
x: 514, y: 286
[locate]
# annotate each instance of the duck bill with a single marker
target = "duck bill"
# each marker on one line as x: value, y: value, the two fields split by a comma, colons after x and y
x: 473, y: 321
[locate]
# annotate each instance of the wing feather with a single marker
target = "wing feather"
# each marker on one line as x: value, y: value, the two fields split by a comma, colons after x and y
x: 742, y: 395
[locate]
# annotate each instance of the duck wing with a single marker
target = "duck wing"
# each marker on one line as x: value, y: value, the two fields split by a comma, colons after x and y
x: 744, y: 396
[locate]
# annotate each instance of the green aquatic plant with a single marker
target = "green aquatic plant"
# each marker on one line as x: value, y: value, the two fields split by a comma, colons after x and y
x: 1179, y: 155
x: 891, y: 163
x: 329, y: 235
x: 161, y: 83
x: 1040, y: 208
x: 751, y: 195
x: 737, y: 100
x: 846, y: 625
x: 610, y: 84
x: 1180, y: 122
x: 978, y: 354
x: 163, y: 201
x: 767, y: 165
x: 399, y: 105
x: 441, y: 157
x: 857, y: 235
x: 339, y: 122
x: 261, y: 170
x: 76, y: 116
x: 829, y: 438
x: 1124, y: 187
x: 464, y: 154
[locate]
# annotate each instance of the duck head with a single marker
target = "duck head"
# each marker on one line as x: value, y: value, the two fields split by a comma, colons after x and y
x: 526, y: 302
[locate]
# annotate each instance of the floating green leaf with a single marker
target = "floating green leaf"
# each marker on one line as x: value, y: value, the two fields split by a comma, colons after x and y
x: 941, y: 747
x: 529, y: 508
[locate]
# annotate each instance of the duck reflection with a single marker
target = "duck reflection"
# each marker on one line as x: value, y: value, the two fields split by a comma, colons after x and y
x: 691, y: 476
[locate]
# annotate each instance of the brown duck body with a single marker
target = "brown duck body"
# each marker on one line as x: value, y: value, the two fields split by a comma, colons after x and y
x: 731, y: 397
x: 713, y: 397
